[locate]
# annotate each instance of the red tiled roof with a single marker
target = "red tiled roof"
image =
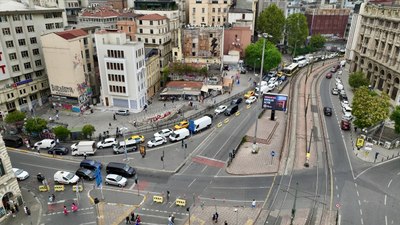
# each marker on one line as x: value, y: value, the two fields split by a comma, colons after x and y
x: 152, y: 17
x: 185, y: 84
x: 101, y: 12
x: 71, y: 34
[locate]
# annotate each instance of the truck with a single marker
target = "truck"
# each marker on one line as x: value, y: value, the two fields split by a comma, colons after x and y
x: 199, y: 124
x: 178, y: 135
x: 88, y: 147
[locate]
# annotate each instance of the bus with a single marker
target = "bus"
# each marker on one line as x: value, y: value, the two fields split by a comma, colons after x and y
x: 299, y: 58
x: 291, y: 69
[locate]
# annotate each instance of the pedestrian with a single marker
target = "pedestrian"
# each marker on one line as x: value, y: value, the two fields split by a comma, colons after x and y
x: 115, y: 118
x: 225, y: 223
x: 127, y: 221
x: 16, y: 207
x: 26, y: 210
x: 53, y: 197
x: 57, y: 117
x: 58, y: 141
x: 355, y: 129
x: 164, y: 105
x: 253, y: 204
x: 133, y: 216
x: 138, y: 220
x: 134, y: 123
x: 38, y: 149
x: 74, y: 207
x: 109, y: 124
x: 216, y: 217
x: 84, y: 155
x: 168, y: 194
x: 65, y: 211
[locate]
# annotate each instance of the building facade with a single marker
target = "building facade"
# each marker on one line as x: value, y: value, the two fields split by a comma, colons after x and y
x: 9, y: 188
x: 153, y: 75
x: 153, y: 31
x: 23, y: 80
x: 126, y: 23
x: 237, y: 39
x: 103, y: 16
x: 327, y: 21
x: 122, y: 71
x: 241, y: 18
x: 70, y: 68
x: 208, y: 12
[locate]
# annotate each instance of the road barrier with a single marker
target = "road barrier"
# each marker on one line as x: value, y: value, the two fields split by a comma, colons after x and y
x: 219, y: 124
x: 44, y: 188
x: 80, y: 188
x: 237, y: 113
x: 158, y: 199
x: 248, y: 106
x: 59, y: 187
x: 226, y: 120
x: 180, y: 202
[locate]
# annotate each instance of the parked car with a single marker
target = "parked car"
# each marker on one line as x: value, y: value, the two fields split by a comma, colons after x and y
x: 108, y: 142
x: 45, y: 144
x: 251, y: 100
x: 347, y: 109
x: 90, y: 164
x: 335, y: 91
x: 20, y: 174
x: 137, y: 138
x: 345, y: 125
x: 85, y: 174
x: 156, y: 141
x: 328, y: 75
x: 327, y: 111
x: 163, y: 133
x: 58, y: 150
x: 220, y: 109
x: 236, y: 101
x: 347, y: 116
x: 249, y: 94
x: 122, y: 112
x: 64, y: 177
x: 182, y: 124
x: 117, y: 180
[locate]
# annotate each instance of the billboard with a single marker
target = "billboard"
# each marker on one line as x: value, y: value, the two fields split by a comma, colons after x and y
x: 273, y: 101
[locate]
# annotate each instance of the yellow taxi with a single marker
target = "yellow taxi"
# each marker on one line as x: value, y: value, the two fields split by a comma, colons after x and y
x: 249, y: 94
x: 182, y: 124
x: 137, y: 138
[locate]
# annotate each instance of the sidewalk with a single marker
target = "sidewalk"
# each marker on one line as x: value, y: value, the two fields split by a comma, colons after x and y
x: 33, y: 204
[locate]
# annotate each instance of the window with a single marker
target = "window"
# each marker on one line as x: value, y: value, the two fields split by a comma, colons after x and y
x: 89, y: 67
x: 154, y: 41
x: 202, y: 19
x: 194, y: 10
x: 151, y: 22
x: 140, y: 31
x: 16, y: 79
x: 49, y: 26
x: 28, y: 17
x: 3, y: 19
x: 34, y: 96
x: 22, y: 101
x: 9, y: 44
x: 87, y: 53
x: 24, y: 54
x: 194, y: 45
x: 12, y: 56
x: 16, y: 18
x: 193, y: 53
x: 219, y: 10
x: 21, y: 42
x: 146, y: 40
x: 203, y: 10
x: 38, y: 62
x: 27, y: 65
x: 31, y: 29
x: 139, y: 39
x: 140, y: 22
x: 10, y: 95
x: 33, y: 40
x: 10, y: 106
x: 28, y: 76
x: 38, y: 73
x: 35, y: 51
x: 15, y: 68
x: 213, y: 10
x: 243, y: 16
x: 151, y: 31
x: 18, y: 30
x: 6, y: 31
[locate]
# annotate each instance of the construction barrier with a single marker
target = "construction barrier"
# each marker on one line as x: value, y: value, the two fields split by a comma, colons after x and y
x: 80, y: 188
x: 158, y: 199
x: 237, y: 113
x: 180, y: 202
x: 219, y: 124
x: 226, y: 120
x: 59, y: 187
x: 43, y: 188
x: 248, y: 106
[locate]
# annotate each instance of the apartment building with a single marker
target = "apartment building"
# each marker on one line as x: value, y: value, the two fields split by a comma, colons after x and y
x: 9, y: 188
x: 104, y: 17
x: 70, y: 69
x: 208, y: 12
x: 153, y: 75
x: 375, y: 47
x: 238, y: 17
x: 122, y: 71
x: 153, y: 31
x: 126, y: 23
x: 327, y: 21
x: 23, y: 80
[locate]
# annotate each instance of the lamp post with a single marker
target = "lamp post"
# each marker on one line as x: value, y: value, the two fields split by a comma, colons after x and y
x: 265, y: 36
x: 237, y: 215
x: 124, y: 130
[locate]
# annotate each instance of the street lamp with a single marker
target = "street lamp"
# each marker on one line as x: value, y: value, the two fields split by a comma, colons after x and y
x: 124, y: 130
x: 237, y: 215
x: 265, y: 36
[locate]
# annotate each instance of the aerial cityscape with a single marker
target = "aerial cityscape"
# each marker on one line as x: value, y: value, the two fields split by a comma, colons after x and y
x: 197, y: 112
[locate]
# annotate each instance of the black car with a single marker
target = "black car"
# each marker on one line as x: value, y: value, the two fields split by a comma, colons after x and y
x: 85, y: 174
x: 58, y: 150
x: 236, y: 101
x: 327, y: 111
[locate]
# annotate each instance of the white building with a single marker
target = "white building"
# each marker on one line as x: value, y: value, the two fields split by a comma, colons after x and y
x: 122, y: 70
x: 242, y: 18
x: 23, y: 80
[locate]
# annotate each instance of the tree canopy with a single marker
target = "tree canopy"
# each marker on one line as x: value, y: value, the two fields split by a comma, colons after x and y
x: 61, y: 132
x: 15, y: 116
x: 358, y: 79
x: 35, y: 125
x: 369, y: 108
x: 88, y: 130
x: 395, y: 116
x: 317, y: 41
x: 272, y: 21
x: 272, y: 56
x: 296, y: 31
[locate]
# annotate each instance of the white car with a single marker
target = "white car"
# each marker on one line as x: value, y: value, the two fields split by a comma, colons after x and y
x: 108, y: 142
x: 271, y: 85
x: 335, y: 91
x: 347, y: 116
x: 64, y: 177
x: 346, y: 109
x: 156, y: 141
x: 344, y: 103
x: 251, y: 100
x: 122, y: 112
x: 20, y: 174
x: 116, y: 180
x: 220, y: 109
x: 45, y: 144
x: 74, y: 146
x: 163, y: 133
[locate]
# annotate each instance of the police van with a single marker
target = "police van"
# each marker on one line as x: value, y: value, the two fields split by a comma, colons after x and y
x: 130, y: 145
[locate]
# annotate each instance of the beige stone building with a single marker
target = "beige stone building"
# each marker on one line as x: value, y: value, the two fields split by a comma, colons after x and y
x: 208, y: 12
x: 9, y: 188
x: 153, y: 75
x: 375, y: 47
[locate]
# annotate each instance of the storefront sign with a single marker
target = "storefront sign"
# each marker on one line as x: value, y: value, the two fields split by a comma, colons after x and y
x: 62, y: 90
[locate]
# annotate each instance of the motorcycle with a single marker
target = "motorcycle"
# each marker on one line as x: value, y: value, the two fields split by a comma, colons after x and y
x: 40, y: 177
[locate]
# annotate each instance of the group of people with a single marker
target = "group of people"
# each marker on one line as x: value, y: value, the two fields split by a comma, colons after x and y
x: 132, y: 219
x: 74, y: 208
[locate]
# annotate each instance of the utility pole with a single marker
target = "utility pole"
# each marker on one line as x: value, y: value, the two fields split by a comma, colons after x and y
x: 294, y: 205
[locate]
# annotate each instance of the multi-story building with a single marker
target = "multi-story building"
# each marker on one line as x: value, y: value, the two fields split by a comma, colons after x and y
x: 153, y: 75
x: 202, y: 45
x: 208, y: 12
x: 327, y: 21
x: 375, y: 47
x: 153, y: 30
x: 70, y: 69
x: 104, y: 17
x: 23, y: 80
x: 72, y: 9
x: 241, y: 18
x: 126, y: 23
x: 9, y: 189
x: 122, y: 70
x: 237, y: 39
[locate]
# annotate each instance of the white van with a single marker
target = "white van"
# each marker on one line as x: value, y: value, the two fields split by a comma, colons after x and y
x: 199, y: 124
x: 45, y: 144
x: 88, y: 147
x: 178, y: 135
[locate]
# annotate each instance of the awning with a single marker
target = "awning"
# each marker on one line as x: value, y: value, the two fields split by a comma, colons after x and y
x: 180, y: 92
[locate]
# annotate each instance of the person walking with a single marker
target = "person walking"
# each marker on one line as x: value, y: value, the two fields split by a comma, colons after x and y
x: 16, y: 207
x: 127, y: 220
x: 225, y: 223
x: 27, y: 211
x: 253, y: 204
x: 133, y: 216
x: 65, y: 211
x: 114, y: 117
x: 53, y: 197
x: 74, y: 207
x: 84, y: 155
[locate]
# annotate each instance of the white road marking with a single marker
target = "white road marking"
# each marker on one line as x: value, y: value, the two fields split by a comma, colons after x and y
x: 359, y: 202
x: 337, y: 195
x: 336, y: 187
x: 386, y: 220
x: 240, y: 188
x: 192, y: 182
x: 390, y: 182
x: 398, y: 173
x: 46, y: 167
x: 94, y: 222
x: 132, y: 186
x: 361, y: 212
x: 385, y: 200
x: 355, y: 184
x: 362, y: 221
x: 358, y: 194
x: 205, y: 167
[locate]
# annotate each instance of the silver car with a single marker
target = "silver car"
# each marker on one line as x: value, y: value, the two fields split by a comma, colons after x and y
x: 117, y: 180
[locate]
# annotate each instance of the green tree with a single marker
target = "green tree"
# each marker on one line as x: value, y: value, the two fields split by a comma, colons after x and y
x: 369, y: 108
x: 35, y: 125
x: 15, y: 116
x: 296, y: 31
x: 395, y: 116
x: 272, y: 21
x: 358, y: 79
x: 272, y: 56
x: 61, y: 132
x: 317, y: 41
x: 88, y: 130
